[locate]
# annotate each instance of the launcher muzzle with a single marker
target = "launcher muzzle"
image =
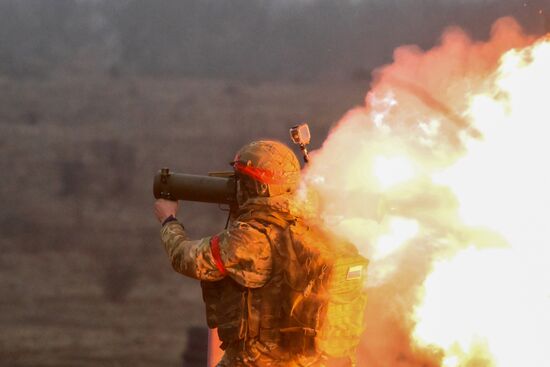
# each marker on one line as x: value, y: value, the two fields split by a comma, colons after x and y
x: 217, y: 188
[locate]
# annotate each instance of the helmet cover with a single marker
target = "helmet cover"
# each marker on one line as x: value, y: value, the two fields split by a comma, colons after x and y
x: 271, y: 163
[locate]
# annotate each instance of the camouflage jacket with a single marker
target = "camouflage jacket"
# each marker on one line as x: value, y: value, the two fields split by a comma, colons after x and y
x: 241, y: 251
x: 265, y: 262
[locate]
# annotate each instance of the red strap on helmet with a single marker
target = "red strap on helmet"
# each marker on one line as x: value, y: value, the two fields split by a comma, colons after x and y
x: 258, y: 174
x: 215, y: 248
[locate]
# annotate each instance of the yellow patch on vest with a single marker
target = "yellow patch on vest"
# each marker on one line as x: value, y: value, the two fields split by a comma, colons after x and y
x: 355, y: 272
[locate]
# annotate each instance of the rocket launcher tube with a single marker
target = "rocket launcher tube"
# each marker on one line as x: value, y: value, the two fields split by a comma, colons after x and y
x: 183, y: 186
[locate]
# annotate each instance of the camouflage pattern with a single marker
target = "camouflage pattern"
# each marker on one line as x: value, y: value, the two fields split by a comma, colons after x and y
x: 245, y: 254
x: 271, y: 163
x: 245, y: 251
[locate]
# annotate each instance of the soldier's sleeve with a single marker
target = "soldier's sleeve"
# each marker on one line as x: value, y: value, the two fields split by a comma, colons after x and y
x: 241, y: 252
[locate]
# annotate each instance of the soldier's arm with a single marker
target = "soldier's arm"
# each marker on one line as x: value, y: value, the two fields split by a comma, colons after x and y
x: 189, y: 257
x: 240, y: 252
x: 245, y: 254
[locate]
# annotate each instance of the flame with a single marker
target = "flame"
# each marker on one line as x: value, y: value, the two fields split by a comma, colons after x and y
x: 400, y: 231
x: 447, y: 191
x: 392, y: 171
x: 500, y: 297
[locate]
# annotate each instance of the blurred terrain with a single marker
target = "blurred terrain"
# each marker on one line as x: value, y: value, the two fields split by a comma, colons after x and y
x: 97, y: 95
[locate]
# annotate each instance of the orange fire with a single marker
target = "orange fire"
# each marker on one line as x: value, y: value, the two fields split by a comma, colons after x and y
x: 441, y: 179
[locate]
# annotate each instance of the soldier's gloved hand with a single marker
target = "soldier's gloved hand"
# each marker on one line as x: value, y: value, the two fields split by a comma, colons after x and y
x: 165, y: 208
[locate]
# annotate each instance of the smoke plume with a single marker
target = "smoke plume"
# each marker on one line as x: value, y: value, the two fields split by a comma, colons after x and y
x: 392, y: 178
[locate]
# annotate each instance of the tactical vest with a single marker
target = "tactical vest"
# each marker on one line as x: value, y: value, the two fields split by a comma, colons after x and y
x: 311, y: 308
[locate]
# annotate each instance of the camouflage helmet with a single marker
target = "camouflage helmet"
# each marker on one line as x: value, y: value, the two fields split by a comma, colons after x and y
x: 270, y: 163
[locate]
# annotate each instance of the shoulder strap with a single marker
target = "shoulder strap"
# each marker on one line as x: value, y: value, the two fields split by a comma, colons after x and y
x: 278, y: 219
x: 273, y: 218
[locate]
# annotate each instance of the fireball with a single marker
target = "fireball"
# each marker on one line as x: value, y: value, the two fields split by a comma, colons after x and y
x: 448, y: 193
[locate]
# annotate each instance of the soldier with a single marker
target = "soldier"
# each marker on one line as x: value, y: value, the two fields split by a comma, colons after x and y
x: 257, y: 275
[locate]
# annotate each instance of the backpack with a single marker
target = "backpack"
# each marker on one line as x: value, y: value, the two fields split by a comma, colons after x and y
x: 323, y: 299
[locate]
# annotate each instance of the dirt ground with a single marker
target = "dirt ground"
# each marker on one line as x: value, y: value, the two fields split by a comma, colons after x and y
x: 83, y: 278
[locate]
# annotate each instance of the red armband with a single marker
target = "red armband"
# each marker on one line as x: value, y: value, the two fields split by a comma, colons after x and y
x: 215, y: 248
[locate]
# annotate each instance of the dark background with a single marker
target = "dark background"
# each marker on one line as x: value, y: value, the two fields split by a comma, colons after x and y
x: 252, y: 40
x: 96, y: 95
